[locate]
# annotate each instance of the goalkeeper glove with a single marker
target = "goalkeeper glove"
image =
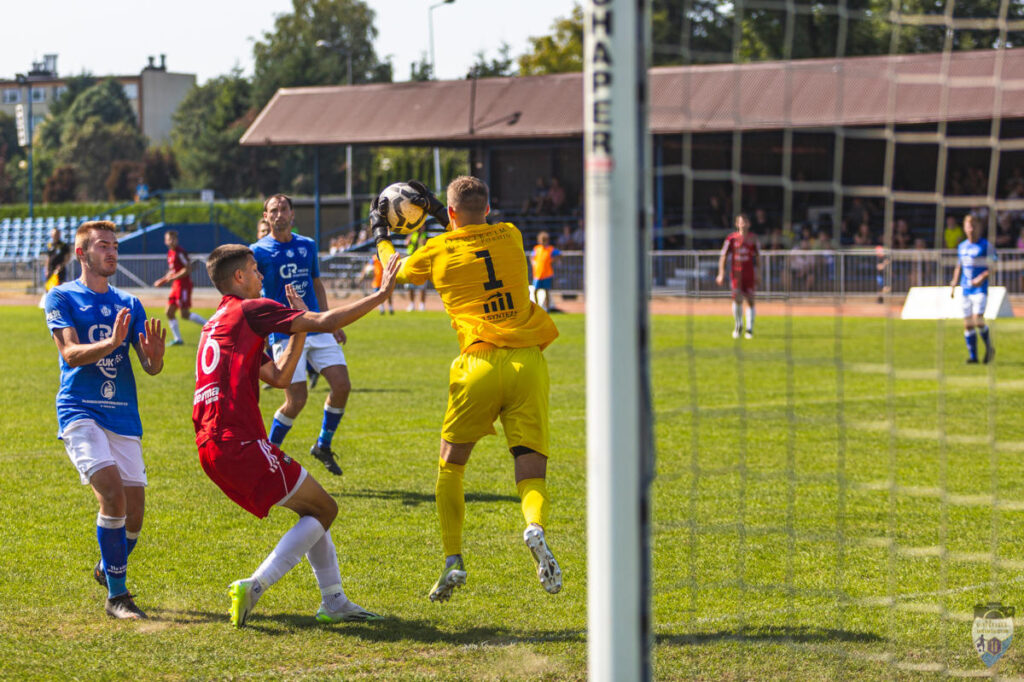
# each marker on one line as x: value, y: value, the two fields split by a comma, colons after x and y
x: 379, y: 220
x: 426, y: 200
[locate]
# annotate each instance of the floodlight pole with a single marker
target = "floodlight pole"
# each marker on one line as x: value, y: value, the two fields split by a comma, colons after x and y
x: 24, y: 80
x: 433, y: 72
x: 619, y: 448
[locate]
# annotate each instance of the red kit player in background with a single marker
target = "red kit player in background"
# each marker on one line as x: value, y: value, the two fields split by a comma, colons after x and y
x: 233, y: 447
x: 742, y: 244
x: 181, y: 286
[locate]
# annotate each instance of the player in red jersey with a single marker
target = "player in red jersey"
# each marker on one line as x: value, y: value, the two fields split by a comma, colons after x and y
x: 233, y: 447
x: 181, y: 286
x: 742, y: 244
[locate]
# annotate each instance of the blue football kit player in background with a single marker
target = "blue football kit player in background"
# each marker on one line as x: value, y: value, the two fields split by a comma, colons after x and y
x: 286, y: 258
x: 92, y: 324
x: 973, y: 257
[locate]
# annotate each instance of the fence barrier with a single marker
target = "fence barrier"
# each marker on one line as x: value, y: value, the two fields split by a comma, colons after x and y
x: 783, y: 274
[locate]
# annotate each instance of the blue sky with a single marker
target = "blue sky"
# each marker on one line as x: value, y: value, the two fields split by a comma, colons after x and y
x: 210, y: 38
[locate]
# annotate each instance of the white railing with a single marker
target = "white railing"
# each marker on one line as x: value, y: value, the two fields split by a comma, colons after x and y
x: 863, y: 272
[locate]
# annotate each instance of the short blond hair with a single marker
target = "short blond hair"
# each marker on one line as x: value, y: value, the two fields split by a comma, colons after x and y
x: 468, y: 194
x: 83, y: 236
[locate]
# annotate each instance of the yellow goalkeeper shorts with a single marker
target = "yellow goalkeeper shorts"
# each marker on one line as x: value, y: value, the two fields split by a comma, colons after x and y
x: 487, y: 383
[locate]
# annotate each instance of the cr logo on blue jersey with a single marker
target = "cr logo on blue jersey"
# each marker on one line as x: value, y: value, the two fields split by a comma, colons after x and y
x: 289, y: 270
x: 98, y: 332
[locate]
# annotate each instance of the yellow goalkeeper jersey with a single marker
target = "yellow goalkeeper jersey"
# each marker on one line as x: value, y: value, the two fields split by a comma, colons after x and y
x: 481, y: 273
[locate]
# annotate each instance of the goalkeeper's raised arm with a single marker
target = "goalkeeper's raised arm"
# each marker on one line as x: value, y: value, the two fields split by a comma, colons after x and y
x: 380, y: 228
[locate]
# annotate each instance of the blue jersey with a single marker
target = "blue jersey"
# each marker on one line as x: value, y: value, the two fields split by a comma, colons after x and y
x: 105, y: 390
x: 974, y: 259
x: 293, y: 262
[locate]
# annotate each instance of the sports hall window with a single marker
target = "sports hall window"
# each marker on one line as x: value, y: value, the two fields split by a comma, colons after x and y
x: 12, y: 96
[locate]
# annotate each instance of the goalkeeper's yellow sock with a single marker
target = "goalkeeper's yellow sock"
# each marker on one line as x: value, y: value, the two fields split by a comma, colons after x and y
x: 451, y: 505
x: 534, y: 495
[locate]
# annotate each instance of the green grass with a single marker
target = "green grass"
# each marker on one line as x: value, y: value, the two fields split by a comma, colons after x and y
x: 809, y: 522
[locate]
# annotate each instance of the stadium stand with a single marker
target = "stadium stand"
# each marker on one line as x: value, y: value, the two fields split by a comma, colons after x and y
x: 26, y: 238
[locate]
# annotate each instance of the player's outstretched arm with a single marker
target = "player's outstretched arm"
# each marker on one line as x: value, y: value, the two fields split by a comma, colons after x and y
x: 426, y: 200
x: 278, y: 373
x: 335, y: 318
x: 381, y: 235
x: 954, y: 280
x: 150, y: 347
x: 77, y: 354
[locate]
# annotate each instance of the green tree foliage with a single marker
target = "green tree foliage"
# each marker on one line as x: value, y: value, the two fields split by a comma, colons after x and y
x: 490, y: 68
x: 61, y: 186
x: 48, y: 133
x: 123, y: 178
x: 289, y: 56
x: 92, y: 148
x: 8, y: 136
x: 160, y: 168
x: 104, y: 101
x: 561, y: 52
x: 207, y: 126
x: 421, y: 71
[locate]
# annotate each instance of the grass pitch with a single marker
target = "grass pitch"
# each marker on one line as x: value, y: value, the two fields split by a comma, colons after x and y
x: 832, y: 498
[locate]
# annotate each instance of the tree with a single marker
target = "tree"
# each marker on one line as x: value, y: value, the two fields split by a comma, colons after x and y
x: 160, y: 169
x: 8, y: 136
x: 124, y: 177
x: 61, y: 186
x: 561, y: 52
x: 48, y: 133
x: 502, y: 66
x: 289, y: 56
x: 105, y: 101
x: 207, y: 126
x: 93, y: 146
x: 421, y: 71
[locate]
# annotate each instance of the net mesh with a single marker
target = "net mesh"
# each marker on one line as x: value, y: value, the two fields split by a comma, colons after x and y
x: 846, y: 489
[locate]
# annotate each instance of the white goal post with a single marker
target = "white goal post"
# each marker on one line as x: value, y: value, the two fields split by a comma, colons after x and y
x: 619, y: 444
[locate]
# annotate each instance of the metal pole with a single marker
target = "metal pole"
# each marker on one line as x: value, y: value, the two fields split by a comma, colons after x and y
x: 316, y: 197
x: 31, y: 179
x: 619, y: 451
x: 348, y: 158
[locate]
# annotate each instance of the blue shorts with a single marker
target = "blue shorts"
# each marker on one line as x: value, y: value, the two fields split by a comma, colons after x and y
x: 543, y: 283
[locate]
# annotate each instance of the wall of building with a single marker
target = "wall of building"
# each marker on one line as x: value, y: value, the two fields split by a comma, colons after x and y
x: 161, y: 93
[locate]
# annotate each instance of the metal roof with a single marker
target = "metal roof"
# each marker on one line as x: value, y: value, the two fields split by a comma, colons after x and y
x: 812, y: 93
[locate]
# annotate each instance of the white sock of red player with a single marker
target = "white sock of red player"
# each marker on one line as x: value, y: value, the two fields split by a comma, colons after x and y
x: 198, y: 319
x: 175, y: 330
x: 737, y: 314
x: 290, y: 549
x: 750, y: 319
x: 324, y: 560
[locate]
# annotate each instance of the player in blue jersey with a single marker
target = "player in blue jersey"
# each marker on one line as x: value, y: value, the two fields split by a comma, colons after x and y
x: 93, y: 324
x: 286, y: 258
x: 973, y: 256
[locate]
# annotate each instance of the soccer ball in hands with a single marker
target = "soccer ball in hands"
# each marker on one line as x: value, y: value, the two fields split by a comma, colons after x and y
x: 403, y: 215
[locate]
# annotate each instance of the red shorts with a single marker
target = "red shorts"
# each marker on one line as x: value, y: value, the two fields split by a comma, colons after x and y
x: 181, y: 294
x: 255, y: 474
x: 742, y: 283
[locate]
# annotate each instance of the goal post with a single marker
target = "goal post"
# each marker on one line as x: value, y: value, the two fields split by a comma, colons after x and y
x: 619, y: 443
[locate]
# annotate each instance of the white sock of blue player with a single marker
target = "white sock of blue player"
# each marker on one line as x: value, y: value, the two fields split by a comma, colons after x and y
x: 750, y: 319
x: 737, y: 314
x: 332, y: 417
x: 323, y: 558
x: 110, y: 534
x: 984, y: 336
x: 280, y: 427
x: 290, y: 549
x: 198, y: 319
x: 175, y: 329
x: 971, y: 338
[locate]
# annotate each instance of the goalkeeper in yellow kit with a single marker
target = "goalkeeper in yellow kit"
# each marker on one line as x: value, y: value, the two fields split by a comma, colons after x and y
x: 480, y: 270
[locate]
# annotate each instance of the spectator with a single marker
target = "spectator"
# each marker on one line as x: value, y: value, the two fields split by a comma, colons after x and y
x: 864, y: 238
x: 565, y: 241
x: 579, y: 236
x: 762, y: 224
x: 953, y: 234
x: 555, y: 200
x: 776, y: 240
x: 922, y: 266
x: 534, y: 204
x: 901, y: 237
x: 1006, y: 231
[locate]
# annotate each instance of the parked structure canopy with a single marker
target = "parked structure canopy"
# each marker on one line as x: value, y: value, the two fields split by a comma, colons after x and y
x: 811, y: 93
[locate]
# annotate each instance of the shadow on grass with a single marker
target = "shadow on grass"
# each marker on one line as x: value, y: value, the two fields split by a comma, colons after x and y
x: 411, y: 498
x: 393, y: 629
x: 381, y: 390
x: 184, y: 617
x: 771, y: 634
